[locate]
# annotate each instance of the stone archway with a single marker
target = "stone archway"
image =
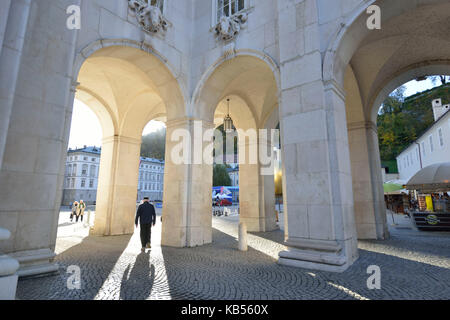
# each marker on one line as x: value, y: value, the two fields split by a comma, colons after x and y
x: 364, y: 65
x: 127, y: 87
x: 250, y: 80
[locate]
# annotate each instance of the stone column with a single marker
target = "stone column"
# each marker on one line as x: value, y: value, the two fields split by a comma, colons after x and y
x: 8, y: 272
x: 250, y: 187
x: 14, y: 21
x: 117, y: 186
x: 370, y: 207
x: 256, y: 187
x: 35, y: 146
x: 267, y: 172
x: 187, y: 215
x: 317, y: 182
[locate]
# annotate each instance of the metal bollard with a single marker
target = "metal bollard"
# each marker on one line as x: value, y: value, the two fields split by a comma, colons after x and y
x: 243, y: 237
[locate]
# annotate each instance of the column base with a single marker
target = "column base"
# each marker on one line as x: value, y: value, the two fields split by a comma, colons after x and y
x: 35, y: 263
x: 317, y: 255
x: 8, y: 287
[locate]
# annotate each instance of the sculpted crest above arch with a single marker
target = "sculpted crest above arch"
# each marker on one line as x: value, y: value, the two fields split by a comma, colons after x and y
x: 229, y: 27
x: 149, y: 17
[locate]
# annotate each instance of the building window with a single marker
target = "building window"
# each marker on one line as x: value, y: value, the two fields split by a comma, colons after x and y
x: 83, y: 183
x: 74, y: 171
x: 91, y: 183
x: 84, y: 170
x: 68, y: 183
x: 72, y: 185
x: 441, y: 137
x: 431, y: 144
x: 93, y: 159
x: 229, y: 7
x: 92, y: 171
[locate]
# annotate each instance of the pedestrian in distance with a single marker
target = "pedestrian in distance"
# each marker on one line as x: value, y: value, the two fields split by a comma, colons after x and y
x: 82, y: 206
x: 146, y: 216
x: 74, y: 210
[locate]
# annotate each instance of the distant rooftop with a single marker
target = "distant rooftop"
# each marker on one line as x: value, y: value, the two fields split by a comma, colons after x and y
x: 85, y: 149
x: 97, y: 151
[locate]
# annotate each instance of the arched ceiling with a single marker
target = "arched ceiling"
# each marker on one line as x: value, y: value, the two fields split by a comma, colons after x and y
x: 133, y: 86
x: 246, y: 77
x: 416, y: 37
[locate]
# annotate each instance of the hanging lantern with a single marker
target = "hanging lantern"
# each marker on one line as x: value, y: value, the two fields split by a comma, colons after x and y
x: 228, y: 122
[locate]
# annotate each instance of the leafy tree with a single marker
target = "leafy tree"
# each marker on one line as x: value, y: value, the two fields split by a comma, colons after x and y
x: 154, y: 145
x: 402, y: 120
x: 221, y: 176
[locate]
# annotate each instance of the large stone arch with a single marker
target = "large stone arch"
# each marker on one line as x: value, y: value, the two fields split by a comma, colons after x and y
x: 364, y: 64
x: 127, y: 84
x: 251, y: 80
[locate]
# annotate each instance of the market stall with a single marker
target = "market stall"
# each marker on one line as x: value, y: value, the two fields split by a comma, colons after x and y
x: 431, y: 187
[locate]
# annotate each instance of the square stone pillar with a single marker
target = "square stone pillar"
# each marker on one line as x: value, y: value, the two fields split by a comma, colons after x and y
x: 35, y: 114
x: 187, y: 214
x: 256, y: 187
x: 117, y: 186
x: 13, y: 25
x: 369, y: 204
x: 317, y: 181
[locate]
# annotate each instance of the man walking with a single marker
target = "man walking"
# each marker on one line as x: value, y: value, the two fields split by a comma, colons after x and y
x: 146, y: 215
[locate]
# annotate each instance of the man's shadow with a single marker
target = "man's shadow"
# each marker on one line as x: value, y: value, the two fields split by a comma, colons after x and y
x: 138, y: 284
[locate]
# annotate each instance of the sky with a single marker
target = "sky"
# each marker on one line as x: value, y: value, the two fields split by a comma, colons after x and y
x: 86, y: 129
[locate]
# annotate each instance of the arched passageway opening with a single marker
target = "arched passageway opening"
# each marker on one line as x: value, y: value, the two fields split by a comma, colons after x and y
x: 250, y: 85
x: 126, y: 87
x: 367, y: 66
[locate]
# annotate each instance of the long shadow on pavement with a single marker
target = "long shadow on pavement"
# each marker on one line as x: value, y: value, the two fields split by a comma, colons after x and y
x: 96, y: 257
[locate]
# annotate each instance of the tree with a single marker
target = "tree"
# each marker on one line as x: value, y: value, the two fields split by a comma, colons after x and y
x: 402, y: 120
x: 154, y: 145
x: 221, y: 176
x: 443, y: 78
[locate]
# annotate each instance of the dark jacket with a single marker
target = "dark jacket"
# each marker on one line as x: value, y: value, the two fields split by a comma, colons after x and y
x: 146, y: 214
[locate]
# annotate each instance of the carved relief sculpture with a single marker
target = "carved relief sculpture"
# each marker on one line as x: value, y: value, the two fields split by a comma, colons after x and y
x: 228, y: 27
x: 149, y: 17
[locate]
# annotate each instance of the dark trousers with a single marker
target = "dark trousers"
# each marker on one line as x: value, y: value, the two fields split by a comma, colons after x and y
x: 146, y: 232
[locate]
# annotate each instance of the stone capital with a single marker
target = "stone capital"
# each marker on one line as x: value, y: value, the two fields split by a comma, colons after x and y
x: 367, y: 125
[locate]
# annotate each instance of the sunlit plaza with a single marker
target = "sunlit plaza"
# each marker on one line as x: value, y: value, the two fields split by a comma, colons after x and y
x: 292, y: 150
x: 413, y: 265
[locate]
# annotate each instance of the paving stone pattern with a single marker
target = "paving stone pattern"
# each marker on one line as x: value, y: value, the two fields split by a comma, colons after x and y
x: 414, y: 265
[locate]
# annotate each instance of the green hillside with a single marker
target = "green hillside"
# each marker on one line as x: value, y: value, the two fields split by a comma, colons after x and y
x: 401, y: 121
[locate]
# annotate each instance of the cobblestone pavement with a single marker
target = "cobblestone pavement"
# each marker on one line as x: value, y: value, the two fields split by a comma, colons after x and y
x: 414, y: 265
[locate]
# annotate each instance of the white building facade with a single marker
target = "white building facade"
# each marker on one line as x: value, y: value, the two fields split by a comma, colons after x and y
x: 81, y: 178
x: 433, y: 146
x: 151, y: 179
